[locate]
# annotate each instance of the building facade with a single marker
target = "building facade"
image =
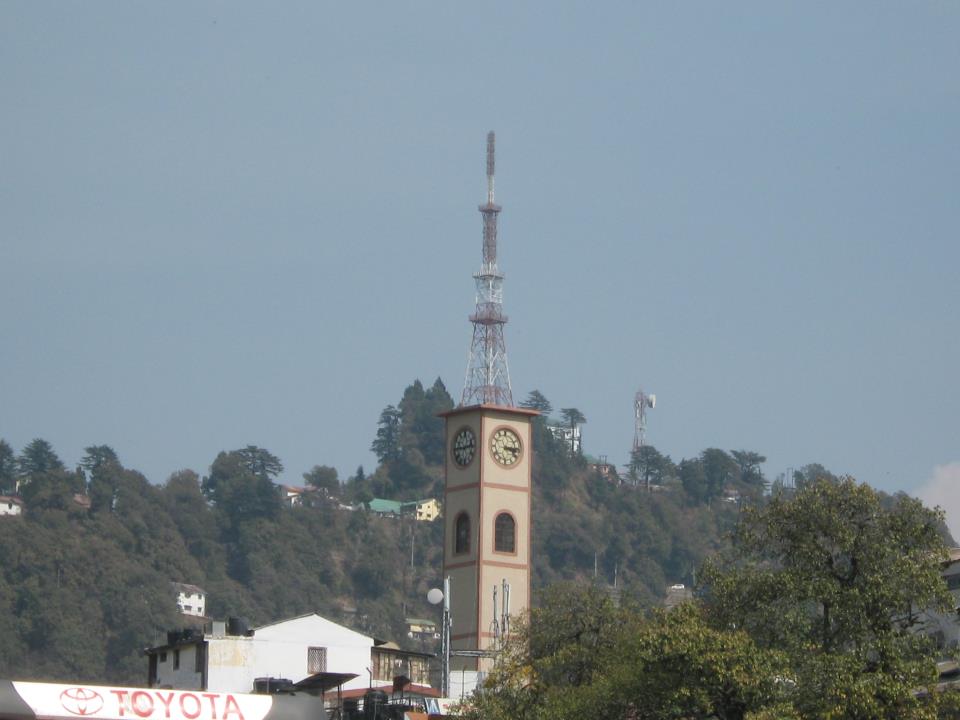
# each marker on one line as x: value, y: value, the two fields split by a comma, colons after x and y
x: 229, y: 657
x: 10, y: 505
x: 191, y: 600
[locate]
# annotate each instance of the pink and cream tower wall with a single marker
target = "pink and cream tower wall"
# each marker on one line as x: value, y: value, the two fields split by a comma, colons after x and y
x: 487, y: 523
x: 488, y: 473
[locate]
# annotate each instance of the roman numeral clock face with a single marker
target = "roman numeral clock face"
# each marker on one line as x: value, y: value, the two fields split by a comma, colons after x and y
x: 464, y: 447
x: 505, y: 446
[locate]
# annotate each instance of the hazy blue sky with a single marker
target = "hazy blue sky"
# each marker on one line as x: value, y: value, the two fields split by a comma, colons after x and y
x: 233, y: 223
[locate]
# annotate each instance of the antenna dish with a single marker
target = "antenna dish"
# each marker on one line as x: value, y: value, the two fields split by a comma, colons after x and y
x: 435, y: 596
x: 652, y: 401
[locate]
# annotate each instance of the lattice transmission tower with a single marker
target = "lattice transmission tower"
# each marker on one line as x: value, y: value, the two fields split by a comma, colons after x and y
x: 641, y: 401
x: 488, y: 378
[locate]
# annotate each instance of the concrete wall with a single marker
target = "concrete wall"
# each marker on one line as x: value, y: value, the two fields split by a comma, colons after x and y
x: 278, y: 650
x: 185, y: 677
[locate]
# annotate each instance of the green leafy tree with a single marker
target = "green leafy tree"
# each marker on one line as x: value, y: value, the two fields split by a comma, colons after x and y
x: 421, y: 428
x: 674, y: 665
x: 98, y: 455
x: 809, y: 474
x: 719, y: 471
x: 37, y: 458
x: 748, y: 469
x: 836, y: 580
x: 52, y: 490
x: 579, y: 655
x: 386, y: 445
x: 649, y: 466
x: 574, y: 419
x: 8, y: 469
x: 239, y: 492
x: 694, y: 480
x: 44, y: 481
x: 323, y: 477
x: 537, y: 401
x: 187, y: 506
x: 261, y: 463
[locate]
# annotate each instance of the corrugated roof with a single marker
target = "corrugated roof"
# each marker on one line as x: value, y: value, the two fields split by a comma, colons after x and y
x: 381, y: 505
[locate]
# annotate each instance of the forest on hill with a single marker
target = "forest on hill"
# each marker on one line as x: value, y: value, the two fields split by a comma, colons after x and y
x: 86, y: 579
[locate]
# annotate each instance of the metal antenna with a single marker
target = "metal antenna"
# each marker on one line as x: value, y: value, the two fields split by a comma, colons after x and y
x: 505, y: 623
x: 488, y: 377
x: 641, y: 402
x: 491, y: 165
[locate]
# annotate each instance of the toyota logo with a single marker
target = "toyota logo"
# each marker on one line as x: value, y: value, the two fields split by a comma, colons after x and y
x: 81, y: 701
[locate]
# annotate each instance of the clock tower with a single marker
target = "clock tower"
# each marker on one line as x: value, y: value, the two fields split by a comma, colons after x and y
x: 486, y: 515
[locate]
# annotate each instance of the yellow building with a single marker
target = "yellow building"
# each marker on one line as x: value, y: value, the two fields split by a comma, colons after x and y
x: 428, y: 510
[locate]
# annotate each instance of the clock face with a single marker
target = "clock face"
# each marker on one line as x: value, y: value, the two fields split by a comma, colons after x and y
x: 464, y: 447
x: 505, y: 446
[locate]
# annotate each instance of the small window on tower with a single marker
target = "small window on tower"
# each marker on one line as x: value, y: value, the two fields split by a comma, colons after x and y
x: 504, y: 534
x: 461, y: 541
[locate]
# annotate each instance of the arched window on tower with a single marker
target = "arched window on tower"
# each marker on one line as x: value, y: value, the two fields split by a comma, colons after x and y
x: 461, y: 534
x: 505, y: 533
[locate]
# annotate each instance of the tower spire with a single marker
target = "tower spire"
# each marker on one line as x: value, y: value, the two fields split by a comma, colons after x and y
x: 488, y: 378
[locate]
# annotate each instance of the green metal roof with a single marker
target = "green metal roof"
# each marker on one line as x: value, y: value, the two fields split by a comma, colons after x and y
x: 385, y: 506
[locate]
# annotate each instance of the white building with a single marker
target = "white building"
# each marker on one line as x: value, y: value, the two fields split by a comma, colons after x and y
x: 222, y: 661
x: 945, y: 627
x: 190, y: 599
x: 10, y: 505
x: 569, y: 436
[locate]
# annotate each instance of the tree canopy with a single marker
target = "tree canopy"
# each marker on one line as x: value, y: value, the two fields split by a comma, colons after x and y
x: 810, y: 614
x: 837, y: 581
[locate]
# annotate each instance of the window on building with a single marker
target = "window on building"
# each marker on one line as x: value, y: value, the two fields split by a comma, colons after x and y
x: 176, y: 659
x: 462, y: 534
x: 163, y: 657
x: 200, y: 659
x: 316, y: 660
x: 419, y: 671
x: 505, y: 533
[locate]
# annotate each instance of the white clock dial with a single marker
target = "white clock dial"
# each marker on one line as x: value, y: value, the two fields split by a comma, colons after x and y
x: 505, y: 446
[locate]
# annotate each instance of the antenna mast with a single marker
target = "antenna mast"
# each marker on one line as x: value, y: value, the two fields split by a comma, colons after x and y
x: 488, y: 378
x: 641, y: 402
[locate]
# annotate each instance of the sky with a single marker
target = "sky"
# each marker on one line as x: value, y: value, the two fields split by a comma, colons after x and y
x: 236, y: 223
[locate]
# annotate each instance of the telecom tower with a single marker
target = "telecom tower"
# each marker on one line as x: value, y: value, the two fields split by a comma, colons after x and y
x: 641, y: 402
x: 488, y: 379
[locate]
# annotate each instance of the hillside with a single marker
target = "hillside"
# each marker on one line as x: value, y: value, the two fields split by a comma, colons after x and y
x: 84, y: 589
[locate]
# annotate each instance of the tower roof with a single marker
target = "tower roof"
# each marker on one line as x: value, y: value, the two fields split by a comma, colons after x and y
x: 489, y: 406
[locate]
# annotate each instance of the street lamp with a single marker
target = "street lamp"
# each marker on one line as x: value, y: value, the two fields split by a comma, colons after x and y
x: 434, y: 597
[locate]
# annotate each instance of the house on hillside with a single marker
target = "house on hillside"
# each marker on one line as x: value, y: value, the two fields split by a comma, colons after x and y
x: 291, y: 495
x: 603, y: 468
x: 424, y: 510
x: 10, y: 505
x: 229, y: 657
x: 191, y: 600
x: 420, y: 629
x: 569, y: 436
x: 386, y: 508
x: 677, y: 594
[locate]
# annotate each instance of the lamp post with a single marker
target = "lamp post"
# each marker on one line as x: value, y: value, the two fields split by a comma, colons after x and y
x: 435, y: 596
